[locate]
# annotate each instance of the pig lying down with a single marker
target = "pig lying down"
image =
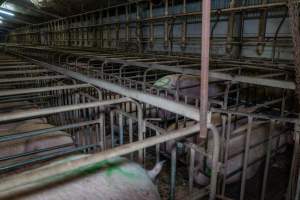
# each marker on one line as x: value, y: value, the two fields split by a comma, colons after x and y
x: 236, y: 148
x: 187, y: 87
x: 15, y: 147
x: 113, y: 179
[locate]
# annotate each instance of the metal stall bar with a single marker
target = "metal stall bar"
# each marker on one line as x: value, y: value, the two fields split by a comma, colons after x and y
x: 18, y: 184
x: 185, y: 110
x: 53, y: 110
x: 177, y: 69
x: 23, y: 72
x: 38, y: 78
x: 42, y: 89
x: 179, y: 108
x: 23, y: 135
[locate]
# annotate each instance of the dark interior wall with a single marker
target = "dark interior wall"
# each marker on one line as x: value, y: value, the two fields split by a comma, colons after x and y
x: 255, y: 28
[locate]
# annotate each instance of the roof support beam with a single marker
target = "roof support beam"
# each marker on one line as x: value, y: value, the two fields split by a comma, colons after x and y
x: 24, y: 4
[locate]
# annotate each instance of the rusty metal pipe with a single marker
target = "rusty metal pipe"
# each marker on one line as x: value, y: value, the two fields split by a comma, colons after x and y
x: 206, y: 6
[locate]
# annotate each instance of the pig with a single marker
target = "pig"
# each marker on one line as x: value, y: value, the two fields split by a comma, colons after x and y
x: 15, y: 107
x: 44, y: 141
x: 260, y: 133
x: 236, y: 147
x: 35, y: 143
x: 186, y: 86
x: 114, y: 179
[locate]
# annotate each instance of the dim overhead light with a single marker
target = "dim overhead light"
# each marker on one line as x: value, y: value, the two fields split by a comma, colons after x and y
x: 1, y: 21
x: 7, y: 13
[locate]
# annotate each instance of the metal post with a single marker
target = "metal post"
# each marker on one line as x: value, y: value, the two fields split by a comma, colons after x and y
x: 246, y: 156
x: 206, y: 4
x: 173, y: 172
x: 268, y: 160
x: 191, y: 170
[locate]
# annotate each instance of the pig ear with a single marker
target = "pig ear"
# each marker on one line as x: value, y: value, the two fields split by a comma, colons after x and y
x: 153, y: 173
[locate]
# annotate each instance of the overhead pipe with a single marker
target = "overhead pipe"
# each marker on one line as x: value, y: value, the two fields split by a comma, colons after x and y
x: 230, y: 29
x: 151, y: 27
x: 262, y: 31
x: 215, y: 24
x: 166, y: 25
x: 184, y: 27
x: 276, y: 35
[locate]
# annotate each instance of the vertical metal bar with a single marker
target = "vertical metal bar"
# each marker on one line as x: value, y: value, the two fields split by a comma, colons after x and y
x: 112, y: 129
x: 226, y: 152
x: 173, y: 172
x: 183, y: 26
x: 191, y: 170
x: 215, y: 162
x: 151, y: 24
x: 246, y: 155
x: 130, y: 135
x: 206, y: 6
x: 294, y: 162
x: 157, y: 149
x: 121, y: 131
x: 166, y: 25
x: 267, y: 164
x: 102, y: 132
x: 283, y: 99
x: 297, y: 197
x: 138, y: 28
x: 140, y: 129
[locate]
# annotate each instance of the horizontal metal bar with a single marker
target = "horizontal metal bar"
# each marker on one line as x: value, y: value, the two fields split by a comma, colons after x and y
x: 37, y: 78
x: 42, y: 89
x: 13, y: 63
x: 23, y: 71
x: 17, y: 184
x: 32, y: 152
x: 218, y: 75
x: 18, y: 66
x: 257, y: 116
x: 59, y: 151
x: 254, y: 80
x: 223, y: 76
x: 54, y: 110
x: 18, y: 136
x: 172, y: 106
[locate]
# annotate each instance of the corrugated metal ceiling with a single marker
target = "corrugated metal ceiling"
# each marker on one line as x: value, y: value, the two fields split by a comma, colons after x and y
x: 37, y: 11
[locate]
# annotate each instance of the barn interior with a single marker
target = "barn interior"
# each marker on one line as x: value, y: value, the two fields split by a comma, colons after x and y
x: 149, y: 99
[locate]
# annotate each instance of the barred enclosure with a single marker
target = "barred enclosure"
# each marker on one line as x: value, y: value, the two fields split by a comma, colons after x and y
x: 149, y: 99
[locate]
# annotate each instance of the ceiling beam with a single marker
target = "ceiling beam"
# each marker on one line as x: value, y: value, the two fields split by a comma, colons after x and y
x: 25, y: 5
x: 13, y: 19
x: 17, y: 16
